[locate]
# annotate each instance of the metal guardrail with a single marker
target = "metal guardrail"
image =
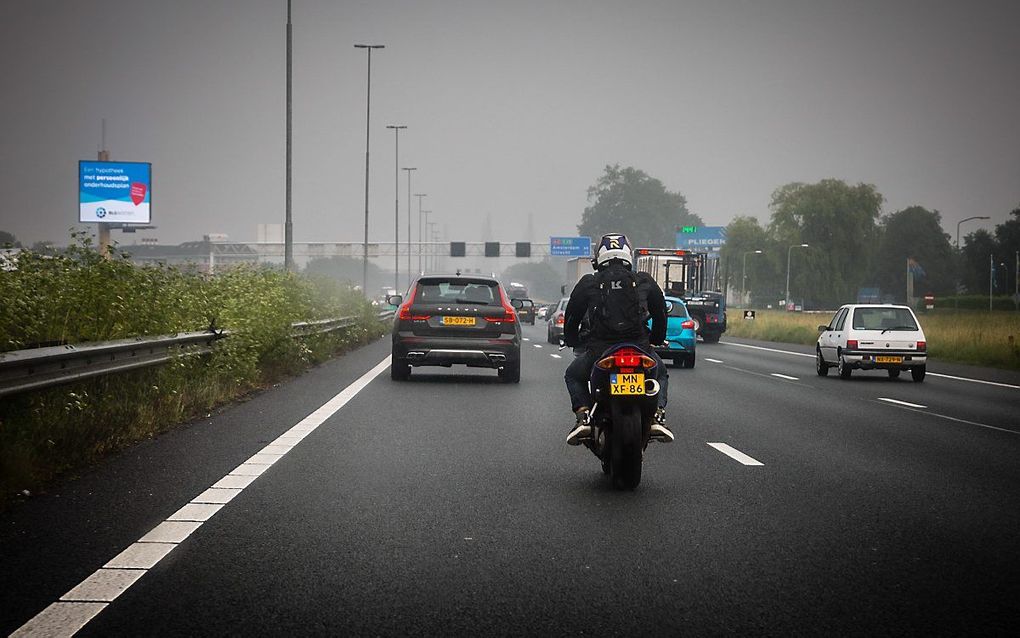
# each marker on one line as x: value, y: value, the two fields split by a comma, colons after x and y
x: 39, y: 368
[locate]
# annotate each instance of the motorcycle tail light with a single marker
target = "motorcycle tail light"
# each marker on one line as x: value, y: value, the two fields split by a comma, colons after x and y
x: 606, y: 363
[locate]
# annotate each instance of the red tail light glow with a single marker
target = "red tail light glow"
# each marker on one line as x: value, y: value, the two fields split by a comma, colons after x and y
x: 687, y: 325
x: 922, y: 346
x: 851, y: 344
x: 405, y: 310
x: 560, y: 320
x: 509, y: 316
x: 626, y: 359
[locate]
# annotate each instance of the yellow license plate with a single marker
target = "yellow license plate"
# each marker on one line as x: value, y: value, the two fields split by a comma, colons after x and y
x: 458, y: 321
x: 627, y: 383
x: 889, y: 359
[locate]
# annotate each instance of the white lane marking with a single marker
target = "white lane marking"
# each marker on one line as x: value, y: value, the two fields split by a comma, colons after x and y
x: 80, y: 605
x: 952, y: 418
x: 526, y: 339
x: 909, y: 405
x: 1001, y: 385
x: 170, y: 532
x: 60, y: 619
x: 785, y: 376
x: 744, y: 345
x: 735, y: 454
x: 234, y: 481
x: 141, y: 556
x: 713, y: 360
x: 930, y: 374
x: 537, y: 345
x: 555, y: 356
x: 103, y: 586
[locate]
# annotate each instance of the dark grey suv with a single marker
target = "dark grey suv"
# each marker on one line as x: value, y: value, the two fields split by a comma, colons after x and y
x: 457, y: 319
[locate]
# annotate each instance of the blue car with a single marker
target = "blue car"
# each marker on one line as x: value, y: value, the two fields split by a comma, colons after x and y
x: 680, y: 334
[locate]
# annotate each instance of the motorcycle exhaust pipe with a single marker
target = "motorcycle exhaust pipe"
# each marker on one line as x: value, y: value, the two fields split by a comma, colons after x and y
x: 651, y: 387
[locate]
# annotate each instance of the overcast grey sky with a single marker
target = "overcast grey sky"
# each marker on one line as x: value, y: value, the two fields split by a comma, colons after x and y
x: 513, y: 107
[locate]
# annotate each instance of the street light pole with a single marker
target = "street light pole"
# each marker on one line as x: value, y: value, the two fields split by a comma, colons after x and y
x: 788, y: 253
x: 288, y: 222
x: 368, y: 130
x: 409, y: 223
x: 426, y: 227
x: 966, y: 220
x: 396, y: 205
x: 743, y: 277
x: 419, y: 196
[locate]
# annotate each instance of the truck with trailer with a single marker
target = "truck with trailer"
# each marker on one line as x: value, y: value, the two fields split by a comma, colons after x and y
x: 688, y: 275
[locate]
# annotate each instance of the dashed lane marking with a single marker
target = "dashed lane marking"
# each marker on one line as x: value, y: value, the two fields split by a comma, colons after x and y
x: 86, y: 599
x: 713, y: 360
x: 909, y: 405
x: 526, y: 338
x: 735, y: 454
x: 785, y: 376
x: 555, y: 356
x: 537, y: 345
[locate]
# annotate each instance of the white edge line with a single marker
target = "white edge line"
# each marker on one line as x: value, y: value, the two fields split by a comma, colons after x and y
x: 898, y: 402
x: 930, y: 374
x: 965, y: 421
x: 69, y: 614
x: 735, y: 454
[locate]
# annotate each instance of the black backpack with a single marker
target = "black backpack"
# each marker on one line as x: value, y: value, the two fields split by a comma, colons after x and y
x: 619, y: 311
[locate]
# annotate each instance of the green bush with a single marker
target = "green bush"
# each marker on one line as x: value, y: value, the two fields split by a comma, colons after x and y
x: 79, y: 296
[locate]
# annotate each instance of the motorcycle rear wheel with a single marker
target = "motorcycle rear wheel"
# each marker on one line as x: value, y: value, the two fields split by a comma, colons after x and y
x: 626, y: 447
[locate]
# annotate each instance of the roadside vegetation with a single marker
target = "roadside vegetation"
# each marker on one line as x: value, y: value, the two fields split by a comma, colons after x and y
x: 964, y: 336
x: 78, y: 296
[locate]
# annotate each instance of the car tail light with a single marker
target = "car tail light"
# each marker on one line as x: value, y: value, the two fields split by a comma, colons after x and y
x: 687, y: 325
x: 922, y: 346
x: 560, y: 320
x: 405, y: 310
x: 509, y: 316
x: 851, y: 344
x: 712, y: 318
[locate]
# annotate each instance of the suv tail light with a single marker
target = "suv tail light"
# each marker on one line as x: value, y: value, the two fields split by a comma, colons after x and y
x: 687, y: 325
x: 851, y: 344
x: 922, y: 346
x: 509, y: 316
x: 405, y: 310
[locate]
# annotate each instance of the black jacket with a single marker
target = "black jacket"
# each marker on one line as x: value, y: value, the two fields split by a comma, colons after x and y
x: 586, y: 294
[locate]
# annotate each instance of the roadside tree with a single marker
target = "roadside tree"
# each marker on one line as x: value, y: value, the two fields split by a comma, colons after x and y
x: 627, y: 200
x: 914, y: 233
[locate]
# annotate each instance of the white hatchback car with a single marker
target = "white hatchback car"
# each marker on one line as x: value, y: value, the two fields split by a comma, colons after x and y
x: 872, y: 336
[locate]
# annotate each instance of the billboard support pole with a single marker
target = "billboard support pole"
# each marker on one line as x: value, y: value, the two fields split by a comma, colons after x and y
x: 104, y: 228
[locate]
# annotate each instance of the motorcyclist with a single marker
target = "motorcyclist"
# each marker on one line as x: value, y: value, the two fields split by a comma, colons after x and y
x: 613, y: 260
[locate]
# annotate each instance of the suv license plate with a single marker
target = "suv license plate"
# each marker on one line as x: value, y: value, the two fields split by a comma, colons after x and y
x: 458, y: 321
x: 881, y: 359
x: 630, y: 384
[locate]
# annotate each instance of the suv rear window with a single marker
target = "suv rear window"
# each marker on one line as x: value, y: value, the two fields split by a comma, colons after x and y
x: 438, y: 291
x: 883, y: 319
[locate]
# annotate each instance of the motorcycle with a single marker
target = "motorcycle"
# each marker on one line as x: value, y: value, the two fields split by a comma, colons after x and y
x: 624, y: 391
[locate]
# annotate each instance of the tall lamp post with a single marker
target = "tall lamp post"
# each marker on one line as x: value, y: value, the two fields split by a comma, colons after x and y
x: 288, y: 222
x: 743, y: 277
x: 396, y: 205
x: 419, y: 196
x: 409, y: 222
x: 956, y: 293
x: 368, y: 129
x: 426, y: 213
x: 788, y: 253
x: 966, y: 220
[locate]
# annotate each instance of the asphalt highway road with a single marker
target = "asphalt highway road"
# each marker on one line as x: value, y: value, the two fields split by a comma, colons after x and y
x: 449, y: 505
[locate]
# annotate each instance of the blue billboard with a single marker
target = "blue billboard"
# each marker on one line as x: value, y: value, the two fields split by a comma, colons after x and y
x: 701, y: 239
x: 115, y: 192
x: 570, y: 246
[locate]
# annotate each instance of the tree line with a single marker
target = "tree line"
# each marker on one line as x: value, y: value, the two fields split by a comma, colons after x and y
x: 850, y: 243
